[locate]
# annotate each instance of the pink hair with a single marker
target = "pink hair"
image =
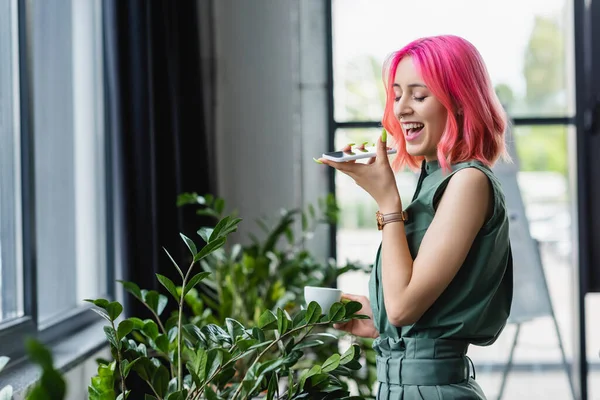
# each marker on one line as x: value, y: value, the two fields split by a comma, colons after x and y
x: 454, y: 72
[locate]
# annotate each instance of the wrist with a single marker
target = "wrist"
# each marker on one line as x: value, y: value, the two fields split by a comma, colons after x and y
x: 393, y: 205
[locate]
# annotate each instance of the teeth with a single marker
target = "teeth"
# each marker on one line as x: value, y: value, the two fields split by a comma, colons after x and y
x: 411, y: 126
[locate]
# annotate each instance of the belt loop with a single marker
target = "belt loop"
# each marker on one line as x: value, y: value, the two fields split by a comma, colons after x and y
x: 387, y: 369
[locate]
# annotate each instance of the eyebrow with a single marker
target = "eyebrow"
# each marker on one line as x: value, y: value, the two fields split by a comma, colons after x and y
x: 412, y: 85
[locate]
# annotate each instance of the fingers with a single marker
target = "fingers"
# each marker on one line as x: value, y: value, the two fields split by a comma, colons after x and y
x: 340, y: 326
x: 353, y: 297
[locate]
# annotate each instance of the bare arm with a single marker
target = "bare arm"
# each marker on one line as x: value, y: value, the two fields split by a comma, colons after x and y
x: 410, y: 288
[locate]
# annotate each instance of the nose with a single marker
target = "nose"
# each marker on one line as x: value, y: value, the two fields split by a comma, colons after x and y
x: 402, y: 109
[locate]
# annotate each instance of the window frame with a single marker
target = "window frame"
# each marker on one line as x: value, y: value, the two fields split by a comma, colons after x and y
x: 584, y: 118
x: 69, y: 324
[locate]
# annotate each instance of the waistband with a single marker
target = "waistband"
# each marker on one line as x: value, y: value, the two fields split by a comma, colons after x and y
x: 421, y: 361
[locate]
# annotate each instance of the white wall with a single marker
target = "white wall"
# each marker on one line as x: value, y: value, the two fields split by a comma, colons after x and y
x: 271, y: 115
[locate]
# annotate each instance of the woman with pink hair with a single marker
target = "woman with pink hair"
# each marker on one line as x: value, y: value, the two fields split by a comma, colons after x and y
x: 442, y: 278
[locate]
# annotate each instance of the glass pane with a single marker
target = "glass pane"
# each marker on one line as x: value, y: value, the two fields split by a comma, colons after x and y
x: 69, y: 155
x: 529, y: 59
x: 544, y: 161
x: 11, y: 272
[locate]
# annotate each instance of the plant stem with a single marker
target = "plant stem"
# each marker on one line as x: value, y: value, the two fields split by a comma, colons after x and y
x: 179, y: 323
x: 164, y: 331
x: 123, y: 388
x: 153, y: 390
x: 239, y: 389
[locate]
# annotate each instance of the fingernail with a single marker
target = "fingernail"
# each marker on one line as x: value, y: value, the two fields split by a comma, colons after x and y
x: 362, y: 147
x: 351, y: 144
x: 383, y: 135
x: 317, y: 161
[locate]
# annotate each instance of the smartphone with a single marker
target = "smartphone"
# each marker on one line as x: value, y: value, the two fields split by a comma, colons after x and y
x: 342, y: 156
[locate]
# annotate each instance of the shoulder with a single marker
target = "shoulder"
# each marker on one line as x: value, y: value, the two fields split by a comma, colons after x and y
x: 469, y: 178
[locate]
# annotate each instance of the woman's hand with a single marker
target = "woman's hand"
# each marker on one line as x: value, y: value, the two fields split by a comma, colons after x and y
x: 360, y: 327
x: 375, y: 177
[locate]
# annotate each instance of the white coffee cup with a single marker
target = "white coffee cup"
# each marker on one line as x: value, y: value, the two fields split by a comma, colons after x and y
x: 324, y: 296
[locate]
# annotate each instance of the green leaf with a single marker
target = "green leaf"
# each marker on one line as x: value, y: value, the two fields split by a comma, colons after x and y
x: 190, y: 244
x: 205, y: 233
x: 51, y: 385
x: 270, y: 365
x: 267, y: 320
x: 150, y: 329
x: 272, y: 387
x: 149, y: 397
x: 3, y: 361
x: 299, y: 318
x: 156, y: 301
x: 318, y: 379
x: 125, y: 327
x: 313, y: 312
x: 316, y: 369
x: 311, y: 211
x: 39, y: 354
x: 352, y: 307
x: 102, y: 303
x: 144, y: 368
x: 162, y: 343
x: 210, y: 248
x: 307, y: 343
x: 198, y: 363
x: 169, y: 285
x: 114, y: 309
x: 132, y: 288
x: 231, y: 227
x: 219, y: 205
x: 124, y: 396
x: 336, y: 312
x: 258, y: 334
x: 180, y: 395
x: 234, y: 328
x: 111, y: 335
x: 351, y: 354
x: 213, y: 362
x: 216, y: 233
x: 101, y: 313
x: 160, y: 380
x: 322, y: 335
x: 174, y: 263
x: 127, y: 367
x: 304, y: 222
x: 137, y: 323
x: 259, y: 345
x: 282, y: 322
x: 194, y: 281
x: 210, y: 394
x: 331, y: 363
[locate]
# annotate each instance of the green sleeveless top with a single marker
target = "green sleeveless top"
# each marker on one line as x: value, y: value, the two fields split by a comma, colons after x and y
x: 475, y: 306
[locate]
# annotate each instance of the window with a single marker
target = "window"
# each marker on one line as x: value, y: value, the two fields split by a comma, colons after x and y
x: 70, y: 186
x: 529, y: 55
x: 528, y: 52
x: 11, y: 271
x: 53, y: 169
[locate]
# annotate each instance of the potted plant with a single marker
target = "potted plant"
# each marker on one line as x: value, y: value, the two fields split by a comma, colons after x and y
x: 185, y: 359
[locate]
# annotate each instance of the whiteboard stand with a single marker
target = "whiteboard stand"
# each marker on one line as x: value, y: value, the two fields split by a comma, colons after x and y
x: 509, y: 363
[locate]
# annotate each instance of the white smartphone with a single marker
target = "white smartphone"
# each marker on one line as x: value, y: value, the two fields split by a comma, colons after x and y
x: 355, y: 154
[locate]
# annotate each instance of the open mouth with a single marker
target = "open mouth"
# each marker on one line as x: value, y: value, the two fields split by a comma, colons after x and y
x: 412, y: 130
